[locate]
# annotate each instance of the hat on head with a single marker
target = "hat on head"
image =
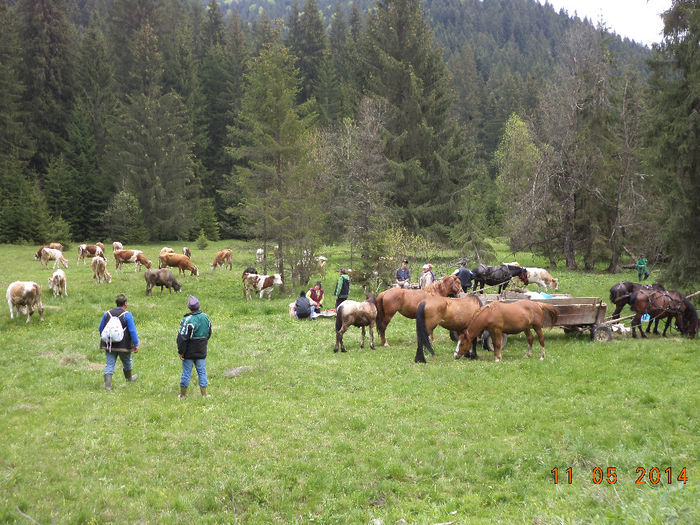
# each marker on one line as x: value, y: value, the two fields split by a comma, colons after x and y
x: 318, y: 283
x: 405, y: 260
x: 342, y: 270
x: 426, y: 266
x: 193, y: 303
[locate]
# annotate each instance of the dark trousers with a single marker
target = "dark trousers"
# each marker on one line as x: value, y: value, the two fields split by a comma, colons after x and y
x: 338, y: 301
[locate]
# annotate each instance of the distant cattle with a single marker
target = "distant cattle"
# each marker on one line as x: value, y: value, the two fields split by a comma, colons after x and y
x: 24, y: 296
x: 161, y: 277
x: 57, y: 283
x: 181, y: 262
x: 116, y: 245
x: 50, y: 254
x: 131, y: 256
x: 89, y: 250
x: 259, y: 255
x: 542, y: 277
x: 253, y: 282
x: 53, y: 246
x: 186, y: 251
x: 99, y: 270
x: 166, y: 249
x: 223, y: 258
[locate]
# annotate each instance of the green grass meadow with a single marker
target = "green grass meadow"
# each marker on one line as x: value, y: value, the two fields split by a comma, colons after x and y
x: 306, y: 435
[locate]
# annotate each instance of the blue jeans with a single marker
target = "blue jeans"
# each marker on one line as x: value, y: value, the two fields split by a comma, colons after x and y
x: 200, y: 365
x: 112, y: 360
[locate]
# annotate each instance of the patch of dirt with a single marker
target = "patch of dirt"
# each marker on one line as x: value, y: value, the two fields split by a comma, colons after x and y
x: 96, y: 366
x: 72, y: 360
x: 235, y: 372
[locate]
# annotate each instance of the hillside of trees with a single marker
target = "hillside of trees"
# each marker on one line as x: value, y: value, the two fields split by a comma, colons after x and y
x: 382, y: 124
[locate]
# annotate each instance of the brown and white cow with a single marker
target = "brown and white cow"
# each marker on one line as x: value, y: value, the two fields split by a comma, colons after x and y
x: 163, y: 251
x: 186, y: 251
x: 99, y: 270
x: 179, y: 261
x: 223, y: 258
x: 131, y: 256
x: 253, y: 282
x: 24, y: 296
x: 50, y: 254
x: 89, y: 250
x: 57, y: 283
x: 116, y: 245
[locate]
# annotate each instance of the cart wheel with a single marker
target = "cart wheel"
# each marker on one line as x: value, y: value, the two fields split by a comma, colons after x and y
x: 601, y: 333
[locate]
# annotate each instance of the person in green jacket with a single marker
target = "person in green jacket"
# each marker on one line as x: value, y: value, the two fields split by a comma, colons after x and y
x: 342, y: 288
x: 192, y: 340
x: 642, y: 267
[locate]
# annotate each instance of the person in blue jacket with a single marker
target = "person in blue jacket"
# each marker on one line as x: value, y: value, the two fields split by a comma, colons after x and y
x: 123, y: 348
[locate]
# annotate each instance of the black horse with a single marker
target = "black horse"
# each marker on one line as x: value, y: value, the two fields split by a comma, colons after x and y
x: 500, y: 275
x: 621, y: 292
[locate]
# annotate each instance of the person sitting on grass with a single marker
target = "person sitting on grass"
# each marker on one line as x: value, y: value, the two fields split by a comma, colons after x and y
x: 302, y: 306
x: 315, y: 296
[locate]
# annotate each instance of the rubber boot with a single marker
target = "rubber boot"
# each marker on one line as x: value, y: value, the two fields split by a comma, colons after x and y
x: 108, y: 382
x: 203, y: 389
x: 129, y: 377
x: 183, y: 392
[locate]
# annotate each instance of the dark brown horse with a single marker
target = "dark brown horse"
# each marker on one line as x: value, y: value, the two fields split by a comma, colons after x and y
x: 352, y: 313
x: 664, y: 305
x: 621, y: 292
x: 453, y: 314
x: 405, y: 302
x: 506, y: 318
x: 498, y: 275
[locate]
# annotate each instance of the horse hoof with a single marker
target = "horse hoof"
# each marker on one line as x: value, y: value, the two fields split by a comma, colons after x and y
x: 541, y: 358
x: 335, y: 350
x: 343, y: 350
x: 498, y: 360
x: 386, y: 344
x: 371, y: 346
x: 417, y: 360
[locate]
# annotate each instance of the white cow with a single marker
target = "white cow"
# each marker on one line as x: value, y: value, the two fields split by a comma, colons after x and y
x: 57, y: 283
x: 49, y: 254
x: 23, y: 296
x: 259, y: 255
x: 542, y: 277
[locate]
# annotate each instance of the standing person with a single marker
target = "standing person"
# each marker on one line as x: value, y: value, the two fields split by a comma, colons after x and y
x: 315, y: 296
x: 302, y: 306
x: 427, y: 277
x: 403, y: 275
x: 465, y: 276
x: 342, y: 287
x: 192, y: 340
x: 122, y: 345
x: 642, y: 268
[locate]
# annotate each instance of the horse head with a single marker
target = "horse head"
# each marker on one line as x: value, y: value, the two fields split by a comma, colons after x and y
x: 690, y: 319
x: 452, y: 286
x: 523, y: 275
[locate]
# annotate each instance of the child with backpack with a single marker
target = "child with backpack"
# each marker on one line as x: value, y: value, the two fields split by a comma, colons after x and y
x: 118, y: 337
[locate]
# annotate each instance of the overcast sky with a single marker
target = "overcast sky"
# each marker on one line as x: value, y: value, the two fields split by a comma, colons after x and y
x: 639, y: 20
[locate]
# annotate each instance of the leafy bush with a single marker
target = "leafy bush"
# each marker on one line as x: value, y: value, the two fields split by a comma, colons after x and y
x: 202, y: 241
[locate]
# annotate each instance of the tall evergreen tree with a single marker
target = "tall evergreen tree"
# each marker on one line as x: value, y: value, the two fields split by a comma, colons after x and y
x: 424, y: 148
x: 47, y: 72
x: 676, y: 135
x: 307, y: 40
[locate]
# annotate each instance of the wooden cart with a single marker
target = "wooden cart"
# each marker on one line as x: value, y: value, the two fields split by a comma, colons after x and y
x: 576, y: 314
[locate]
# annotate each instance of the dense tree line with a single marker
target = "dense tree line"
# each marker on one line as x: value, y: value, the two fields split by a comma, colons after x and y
x: 312, y: 123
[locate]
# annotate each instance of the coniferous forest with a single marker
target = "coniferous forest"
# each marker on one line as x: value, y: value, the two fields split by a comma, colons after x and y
x: 448, y: 121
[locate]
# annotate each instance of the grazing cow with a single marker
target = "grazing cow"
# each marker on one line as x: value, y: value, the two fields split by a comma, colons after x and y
x: 116, y: 245
x: 99, y: 270
x: 131, y: 256
x: 163, y: 251
x: 24, y: 296
x: 89, y: 250
x: 161, y: 277
x: 259, y: 255
x: 182, y: 262
x: 541, y: 277
x: 223, y: 258
x: 186, y: 251
x: 49, y: 254
x: 57, y: 283
x: 260, y: 283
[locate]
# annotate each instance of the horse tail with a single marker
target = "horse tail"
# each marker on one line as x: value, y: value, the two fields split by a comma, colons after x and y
x: 339, y: 319
x: 549, y: 309
x: 633, y: 301
x: 421, y: 330
x: 379, y: 302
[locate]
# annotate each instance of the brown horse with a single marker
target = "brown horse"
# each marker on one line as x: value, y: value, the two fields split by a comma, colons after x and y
x: 405, y: 302
x: 453, y: 314
x: 509, y: 318
x: 352, y: 313
x: 663, y: 305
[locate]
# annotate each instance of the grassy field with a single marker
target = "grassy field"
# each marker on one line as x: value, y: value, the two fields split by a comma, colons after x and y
x: 305, y: 435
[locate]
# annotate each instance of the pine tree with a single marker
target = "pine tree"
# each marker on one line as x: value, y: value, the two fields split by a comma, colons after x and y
x: 676, y: 137
x: 307, y: 40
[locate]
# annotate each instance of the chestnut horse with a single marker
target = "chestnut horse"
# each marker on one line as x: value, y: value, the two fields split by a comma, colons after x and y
x: 453, y: 314
x: 621, y: 292
x: 351, y: 313
x: 664, y: 305
x: 405, y: 302
x: 509, y: 318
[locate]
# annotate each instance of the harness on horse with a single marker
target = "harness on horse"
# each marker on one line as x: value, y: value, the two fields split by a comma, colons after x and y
x: 674, y: 307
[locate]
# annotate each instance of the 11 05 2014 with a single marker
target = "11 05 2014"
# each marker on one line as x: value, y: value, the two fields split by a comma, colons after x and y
x: 652, y: 476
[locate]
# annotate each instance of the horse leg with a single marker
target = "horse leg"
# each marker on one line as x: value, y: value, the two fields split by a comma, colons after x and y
x: 362, y: 342
x: 668, y: 322
x: 540, y: 336
x: 618, y: 309
x: 530, y: 339
x: 371, y: 335
x: 339, y: 339
x: 497, y: 338
x: 381, y: 328
x: 473, y: 355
